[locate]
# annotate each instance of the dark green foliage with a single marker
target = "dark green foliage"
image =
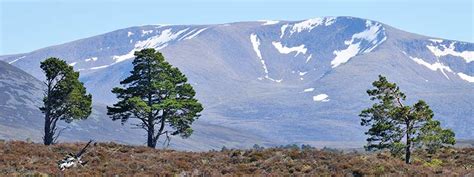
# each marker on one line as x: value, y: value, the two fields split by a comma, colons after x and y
x: 390, y: 121
x: 158, y: 95
x: 432, y: 137
x: 307, y: 147
x: 333, y: 150
x: 224, y: 149
x: 289, y: 146
x: 258, y: 147
x: 65, y: 97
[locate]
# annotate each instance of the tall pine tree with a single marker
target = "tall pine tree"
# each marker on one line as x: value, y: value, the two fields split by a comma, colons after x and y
x: 158, y: 95
x: 65, y: 97
x: 398, y: 127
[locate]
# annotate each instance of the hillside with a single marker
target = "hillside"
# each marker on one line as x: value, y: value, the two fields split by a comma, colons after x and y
x: 22, y: 158
x: 20, y: 97
x: 276, y: 82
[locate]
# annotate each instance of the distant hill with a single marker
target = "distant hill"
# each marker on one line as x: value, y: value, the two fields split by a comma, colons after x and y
x: 20, y: 98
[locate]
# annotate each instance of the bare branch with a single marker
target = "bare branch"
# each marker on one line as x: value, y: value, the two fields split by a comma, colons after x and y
x: 83, y: 150
x: 59, y: 133
x: 167, y: 141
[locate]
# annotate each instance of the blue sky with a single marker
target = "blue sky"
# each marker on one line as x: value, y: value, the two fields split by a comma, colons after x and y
x: 27, y: 25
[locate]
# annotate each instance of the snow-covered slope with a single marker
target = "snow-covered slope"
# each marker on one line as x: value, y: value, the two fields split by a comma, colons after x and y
x: 285, y: 81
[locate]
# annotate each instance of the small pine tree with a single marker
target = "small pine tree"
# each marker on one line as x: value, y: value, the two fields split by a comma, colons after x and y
x: 258, y: 147
x: 390, y: 121
x: 224, y: 149
x: 65, y: 97
x: 432, y: 137
x: 158, y: 95
x: 306, y: 147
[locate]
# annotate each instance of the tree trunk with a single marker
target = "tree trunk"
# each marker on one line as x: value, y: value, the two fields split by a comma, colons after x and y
x: 408, y: 146
x: 151, y: 119
x: 407, y: 153
x: 48, y: 135
x: 151, y: 136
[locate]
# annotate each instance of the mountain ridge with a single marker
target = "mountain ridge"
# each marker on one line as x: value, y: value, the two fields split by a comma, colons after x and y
x: 229, y: 23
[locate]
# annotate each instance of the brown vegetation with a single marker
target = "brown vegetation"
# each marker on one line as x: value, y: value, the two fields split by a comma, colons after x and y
x: 22, y: 158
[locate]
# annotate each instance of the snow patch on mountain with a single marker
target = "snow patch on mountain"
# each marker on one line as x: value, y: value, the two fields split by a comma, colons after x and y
x: 120, y: 58
x: 129, y: 34
x: 91, y: 59
x: 330, y: 20
x: 310, y: 24
x: 269, y: 22
x: 306, y: 25
x: 158, y: 42
x: 466, y: 77
x: 286, y: 50
x: 163, y: 25
x: 145, y: 32
x: 435, y: 66
x: 436, y: 40
x: 189, y: 33
x: 308, y: 90
x: 15, y: 60
x: 321, y: 98
x: 372, y: 35
x: 282, y: 30
x: 99, y: 67
x: 442, y: 50
x: 309, y: 58
x: 342, y: 56
x: 255, y: 45
x: 195, y: 34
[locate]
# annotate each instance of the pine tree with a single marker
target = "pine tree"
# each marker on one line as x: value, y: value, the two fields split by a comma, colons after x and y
x: 159, y: 96
x: 65, y: 97
x: 432, y: 137
x: 391, y: 121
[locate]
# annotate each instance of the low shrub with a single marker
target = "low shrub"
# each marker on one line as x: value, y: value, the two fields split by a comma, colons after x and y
x: 109, y: 159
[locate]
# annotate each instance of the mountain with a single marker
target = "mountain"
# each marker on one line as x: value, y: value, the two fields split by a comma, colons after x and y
x: 284, y: 81
x: 19, y: 101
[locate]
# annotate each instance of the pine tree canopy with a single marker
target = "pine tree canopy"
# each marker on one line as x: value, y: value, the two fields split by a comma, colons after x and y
x: 390, y: 121
x: 65, y: 96
x: 158, y: 94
